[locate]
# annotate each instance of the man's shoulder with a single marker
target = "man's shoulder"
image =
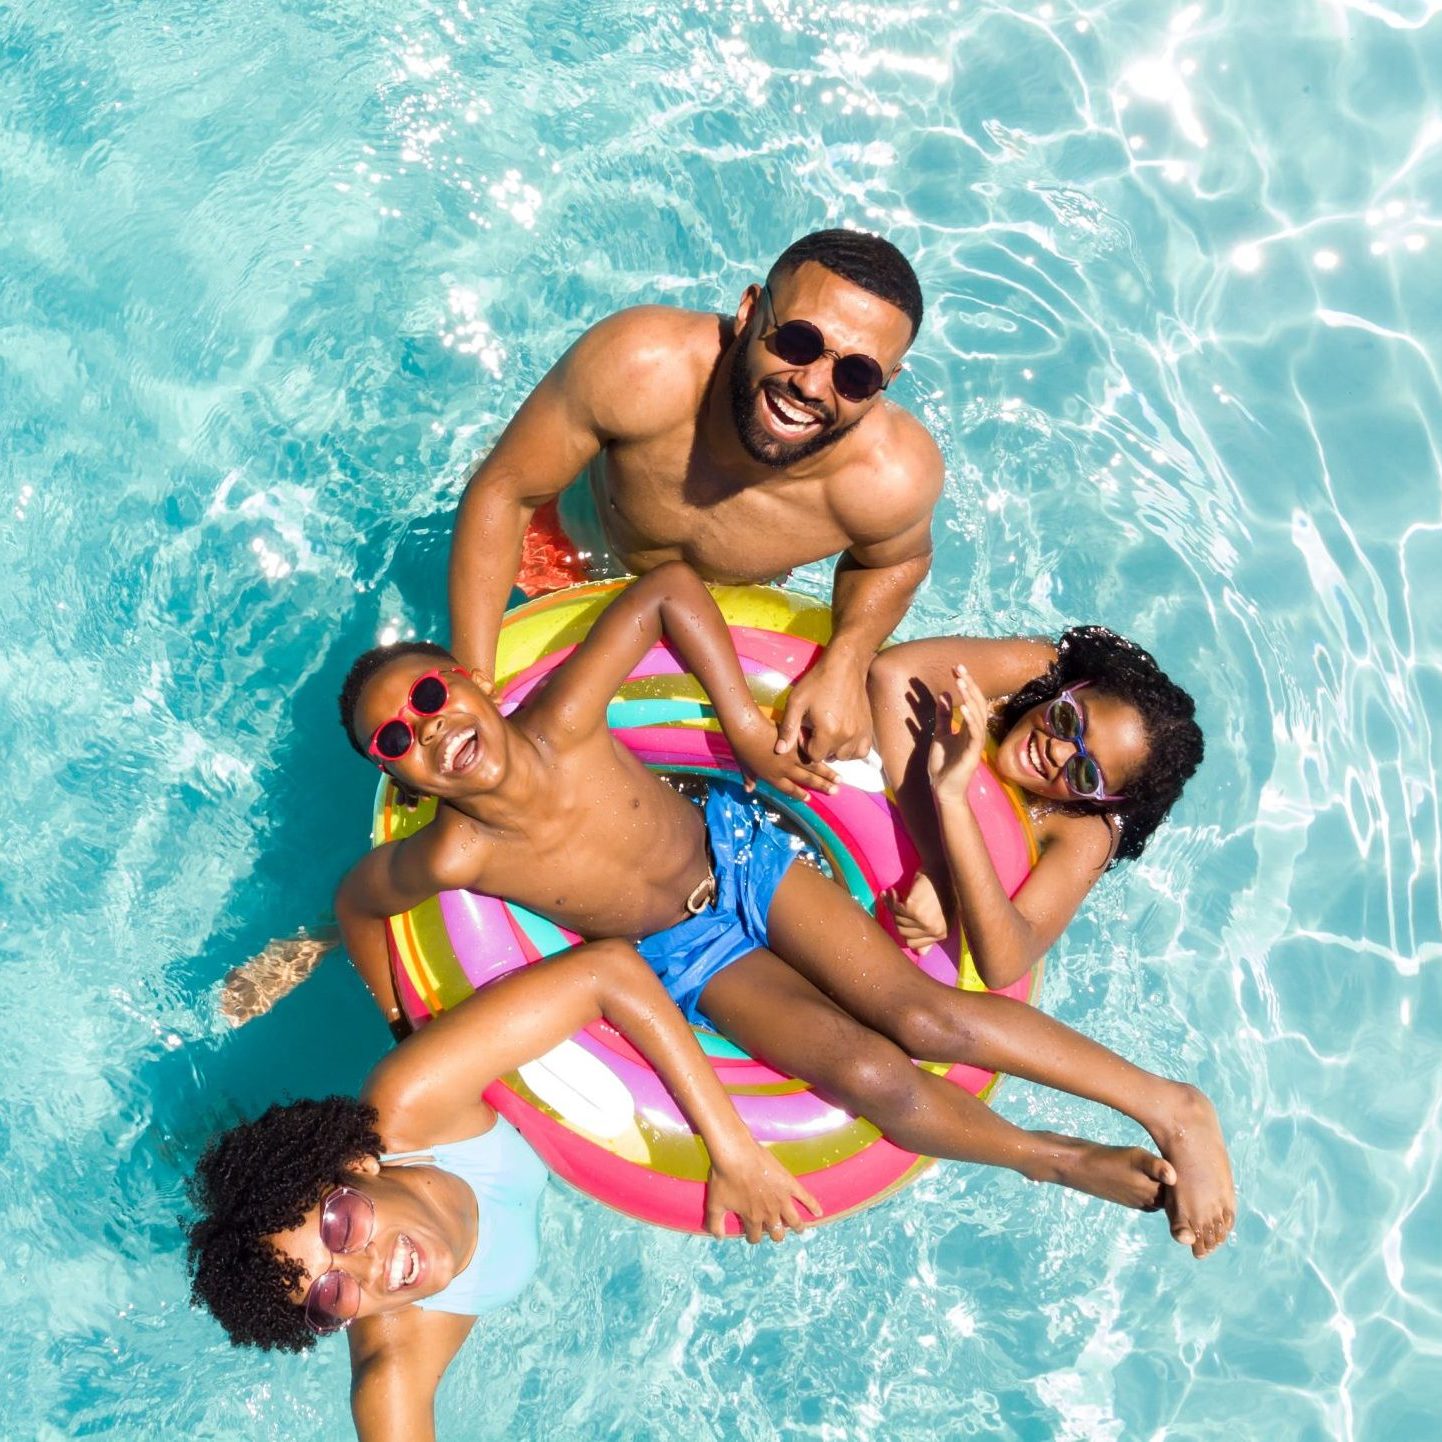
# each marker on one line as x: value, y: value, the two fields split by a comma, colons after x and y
x: 646, y: 367
x: 893, y: 480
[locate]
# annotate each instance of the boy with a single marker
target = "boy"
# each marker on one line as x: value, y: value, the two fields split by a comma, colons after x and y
x: 547, y: 809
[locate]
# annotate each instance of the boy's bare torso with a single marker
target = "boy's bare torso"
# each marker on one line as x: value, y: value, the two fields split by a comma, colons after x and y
x: 604, y: 848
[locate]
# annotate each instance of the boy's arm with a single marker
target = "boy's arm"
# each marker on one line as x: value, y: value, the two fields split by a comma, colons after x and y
x: 384, y: 883
x: 672, y: 601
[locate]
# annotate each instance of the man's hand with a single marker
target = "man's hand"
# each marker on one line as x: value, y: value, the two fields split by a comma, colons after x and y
x: 762, y: 1193
x: 827, y: 714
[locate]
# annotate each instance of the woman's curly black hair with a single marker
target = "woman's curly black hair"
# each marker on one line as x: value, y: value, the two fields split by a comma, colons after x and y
x: 259, y: 1178
x: 1120, y: 668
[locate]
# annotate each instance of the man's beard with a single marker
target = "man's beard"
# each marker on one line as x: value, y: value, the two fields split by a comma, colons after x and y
x: 758, y: 442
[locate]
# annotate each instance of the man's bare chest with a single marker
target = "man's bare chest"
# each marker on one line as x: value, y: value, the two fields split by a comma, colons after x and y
x: 666, y: 502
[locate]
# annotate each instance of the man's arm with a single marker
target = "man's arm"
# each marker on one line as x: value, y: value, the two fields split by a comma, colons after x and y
x: 889, y: 521
x: 618, y: 382
x: 546, y: 445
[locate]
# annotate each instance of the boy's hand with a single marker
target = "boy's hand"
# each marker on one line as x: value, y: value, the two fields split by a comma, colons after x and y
x: 957, y: 741
x: 762, y: 1193
x: 919, y: 915
x: 789, y: 772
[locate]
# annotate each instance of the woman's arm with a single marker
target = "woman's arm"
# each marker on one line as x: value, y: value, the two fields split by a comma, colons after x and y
x: 428, y: 1090
x: 396, y: 1363
x: 672, y: 601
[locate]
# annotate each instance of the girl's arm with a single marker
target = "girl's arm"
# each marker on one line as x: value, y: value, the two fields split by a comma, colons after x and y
x: 1006, y: 936
x: 957, y: 879
x: 672, y: 601
x: 428, y: 1090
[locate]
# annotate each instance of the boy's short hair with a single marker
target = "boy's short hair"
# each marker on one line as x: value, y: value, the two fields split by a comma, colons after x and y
x: 867, y: 260
x: 366, y: 666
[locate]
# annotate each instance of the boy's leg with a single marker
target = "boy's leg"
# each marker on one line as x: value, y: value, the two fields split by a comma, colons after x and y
x: 822, y: 933
x: 777, y: 1015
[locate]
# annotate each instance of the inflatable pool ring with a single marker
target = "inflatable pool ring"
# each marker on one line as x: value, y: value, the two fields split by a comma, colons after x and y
x: 592, y: 1108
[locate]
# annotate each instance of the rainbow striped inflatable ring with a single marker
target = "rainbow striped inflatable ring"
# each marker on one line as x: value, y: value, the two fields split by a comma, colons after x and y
x: 592, y: 1108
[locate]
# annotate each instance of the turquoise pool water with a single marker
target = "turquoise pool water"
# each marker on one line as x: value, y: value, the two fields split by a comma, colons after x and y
x: 272, y: 273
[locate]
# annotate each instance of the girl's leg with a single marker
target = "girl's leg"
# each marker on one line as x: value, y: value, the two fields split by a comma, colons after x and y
x: 780, y: 1017
x: 821, y: 932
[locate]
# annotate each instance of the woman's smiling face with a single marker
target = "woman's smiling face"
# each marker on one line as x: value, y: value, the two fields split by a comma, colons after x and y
x: 408, y: 1245
x: 1114, y: 735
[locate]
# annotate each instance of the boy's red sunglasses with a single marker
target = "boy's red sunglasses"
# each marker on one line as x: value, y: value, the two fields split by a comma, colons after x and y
x: 393, y: 739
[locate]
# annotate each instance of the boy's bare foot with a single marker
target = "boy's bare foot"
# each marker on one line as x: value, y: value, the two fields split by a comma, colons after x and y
x: 1202, y: 1205
x: 1128, y: 1176
x: 253, y: 987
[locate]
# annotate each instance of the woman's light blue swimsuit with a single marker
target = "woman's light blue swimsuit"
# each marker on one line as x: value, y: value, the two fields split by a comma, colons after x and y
x: 507, y: 1178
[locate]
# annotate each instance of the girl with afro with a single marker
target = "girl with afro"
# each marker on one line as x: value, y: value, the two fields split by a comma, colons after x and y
x: 1099, y: 740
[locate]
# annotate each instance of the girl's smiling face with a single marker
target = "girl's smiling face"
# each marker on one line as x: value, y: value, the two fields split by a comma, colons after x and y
x: 1032, y: 757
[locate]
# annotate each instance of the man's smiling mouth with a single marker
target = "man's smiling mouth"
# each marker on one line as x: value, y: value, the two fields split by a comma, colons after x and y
x: 788, y: 416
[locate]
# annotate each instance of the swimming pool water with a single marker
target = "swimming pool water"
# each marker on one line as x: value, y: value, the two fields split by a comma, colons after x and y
x: 273, y: 274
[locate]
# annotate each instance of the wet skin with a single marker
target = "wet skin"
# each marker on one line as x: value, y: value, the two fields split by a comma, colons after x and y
x: 425, y: 1233
x: 518, y: 789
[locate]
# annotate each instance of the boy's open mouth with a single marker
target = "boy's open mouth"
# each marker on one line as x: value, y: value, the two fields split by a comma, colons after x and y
x: 460, y: 751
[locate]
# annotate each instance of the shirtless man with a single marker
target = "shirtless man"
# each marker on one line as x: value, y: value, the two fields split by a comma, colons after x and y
x: 744, y: 445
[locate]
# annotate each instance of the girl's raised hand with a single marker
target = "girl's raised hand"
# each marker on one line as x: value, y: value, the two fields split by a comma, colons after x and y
x: 958, y: 737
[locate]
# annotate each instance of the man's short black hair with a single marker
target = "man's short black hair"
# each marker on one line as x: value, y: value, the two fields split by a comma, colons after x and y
x: 366, y: 666
x: 255, y: 1180
x: 867, y: 260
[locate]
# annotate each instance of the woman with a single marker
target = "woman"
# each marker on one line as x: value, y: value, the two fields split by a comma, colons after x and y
x: 1090, y: 729
x: 403, y: 1215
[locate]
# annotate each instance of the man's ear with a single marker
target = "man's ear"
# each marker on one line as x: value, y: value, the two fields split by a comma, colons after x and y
x: 896, y: 370
x: 366, y: 1166
x: 746, y: 307
x: 486, y: 683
